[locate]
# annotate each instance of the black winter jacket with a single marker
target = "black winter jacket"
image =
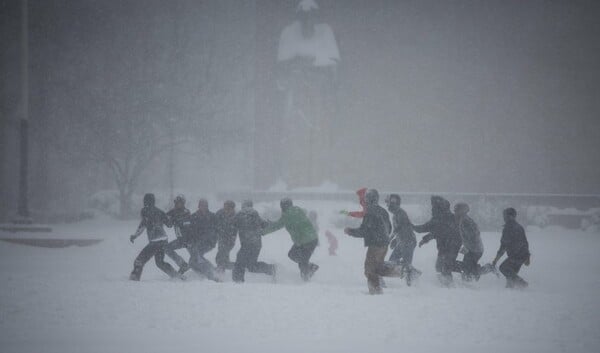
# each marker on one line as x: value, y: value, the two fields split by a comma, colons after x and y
x: 442, y: 226
x: 250, y: 226
x: 180, y: 220
x: 204, y: 232
x: 225, y: 225
x: 514, y: 242
x: 375, y: 228
x: 403, y: 228
x: 153, y: 220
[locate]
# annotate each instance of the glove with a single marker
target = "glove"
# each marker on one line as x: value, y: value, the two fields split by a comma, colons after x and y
x: 344, y: 212
x: 393, y: 243
x: 132, y: 238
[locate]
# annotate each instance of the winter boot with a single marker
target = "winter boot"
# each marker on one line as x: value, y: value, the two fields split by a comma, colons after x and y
x: 306, y: 272
x: 412, y: 275
x: 274, y: 273
x: 520, y: 283
x: 136, y: 274
x: 184, y: 268
x: 237, y: 275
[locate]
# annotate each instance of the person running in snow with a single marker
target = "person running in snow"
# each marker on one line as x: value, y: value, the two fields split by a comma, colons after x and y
x: 303, y: 234
x: 403, y: 242
x: 375, y: 230
x: 179, y: 218
x: 250, y: 227
x: 514, y: 243
x: 472, y: 248
x: 152, y: 221
x: 204, y: 239
x: 226, y: 233
x: 360, y: 214
x: 443, y: 228
x: 361, y: 199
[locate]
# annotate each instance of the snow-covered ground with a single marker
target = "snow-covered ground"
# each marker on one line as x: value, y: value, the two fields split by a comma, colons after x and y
x: 79, y: 300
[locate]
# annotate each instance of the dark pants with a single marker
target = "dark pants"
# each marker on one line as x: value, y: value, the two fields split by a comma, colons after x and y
x: 156, y: 249
x: 446, y: 262
x: 510, y: 269
x: 199, y: 263
x: 247, y: 258
x: 170, y: 251
x: 226, y: 243
x: 470, y: 266
x: 301, y: 254
x: 375, y: 268
x: 403, y: 256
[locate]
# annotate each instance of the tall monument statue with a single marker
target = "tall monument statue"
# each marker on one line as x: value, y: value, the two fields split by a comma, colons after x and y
x: 307, y: 62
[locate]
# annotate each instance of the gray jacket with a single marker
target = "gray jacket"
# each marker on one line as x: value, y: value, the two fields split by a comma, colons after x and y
x: 470, y: 235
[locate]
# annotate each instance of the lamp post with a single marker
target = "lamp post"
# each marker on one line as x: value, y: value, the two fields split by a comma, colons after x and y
x: 23, y: 204
x: 23, y: 221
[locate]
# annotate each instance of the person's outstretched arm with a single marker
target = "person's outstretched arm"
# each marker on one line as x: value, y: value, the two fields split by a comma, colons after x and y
x: 424, y: 228
x: 503, y: 244
x: 139, y: 231
x: 275, y: 226
x: 360, y: 231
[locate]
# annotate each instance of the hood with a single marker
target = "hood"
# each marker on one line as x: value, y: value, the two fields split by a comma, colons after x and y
x: 149, y: 200
x: 361, y: 196
x: 372, y: 197
x: 439, y: 206
x: 247, y: 204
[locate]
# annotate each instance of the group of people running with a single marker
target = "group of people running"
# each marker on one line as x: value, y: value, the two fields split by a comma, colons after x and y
x: 202, y: 231
x: 454, y: 233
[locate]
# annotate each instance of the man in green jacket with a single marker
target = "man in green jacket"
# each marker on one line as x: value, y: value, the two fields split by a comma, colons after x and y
x: 303, y: 234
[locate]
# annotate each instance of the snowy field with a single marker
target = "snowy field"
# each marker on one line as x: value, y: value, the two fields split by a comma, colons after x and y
x: 80, y: 300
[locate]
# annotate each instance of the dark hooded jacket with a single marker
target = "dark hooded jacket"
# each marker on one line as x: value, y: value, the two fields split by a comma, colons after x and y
x: 249, y: 225
x: 153, y: 220
x: 225, y: 225
x: 376, y: 227
x: 513, y: 241
x: 204, y: 232
x: 403, y: 228
x: 179, y: 218
x: 442, y: 226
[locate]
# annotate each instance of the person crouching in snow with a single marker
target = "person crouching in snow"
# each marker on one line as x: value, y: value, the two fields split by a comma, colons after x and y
x: 375, y: 230
x: 303, y: 234
x: 514, y: 243
x: 152, y: 221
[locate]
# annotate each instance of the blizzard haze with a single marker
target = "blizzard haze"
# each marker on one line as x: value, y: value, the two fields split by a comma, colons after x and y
x: 493, y: 103
x: 427, y: 96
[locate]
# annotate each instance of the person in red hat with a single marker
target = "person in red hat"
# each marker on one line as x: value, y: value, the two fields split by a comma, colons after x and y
x: 361, y: 199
